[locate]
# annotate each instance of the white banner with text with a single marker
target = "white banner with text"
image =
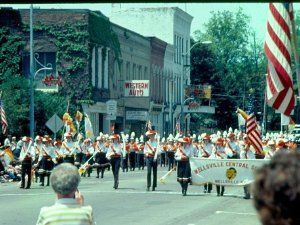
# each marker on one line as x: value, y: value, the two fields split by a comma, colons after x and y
x: 228, y: 172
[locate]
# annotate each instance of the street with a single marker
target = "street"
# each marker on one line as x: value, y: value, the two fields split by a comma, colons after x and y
x: 131, y: 204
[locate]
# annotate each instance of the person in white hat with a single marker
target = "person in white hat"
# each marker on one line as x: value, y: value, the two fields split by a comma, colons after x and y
x: 26, y: 157
x: 88, y: 152
x: 114, y: 154
x: 46, y: 157
x: 219, y: 152
x: 172, y: 148
x: 101, y: 162
x: 163, y: 147
x: 132, y: 149
x: 205, y: 150
x: 152, y: 150
x: 271, y: 151
x: 247, y: 153
x: 182, y: 156
x: 58, y: 151
x: 232, y: 145
x: 140, y: 153
x: 79, y: 154
x: 69, y: 148
x: 37, y: 148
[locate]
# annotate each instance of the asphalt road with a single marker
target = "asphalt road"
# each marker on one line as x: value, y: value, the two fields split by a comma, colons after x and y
x: 131, y: 204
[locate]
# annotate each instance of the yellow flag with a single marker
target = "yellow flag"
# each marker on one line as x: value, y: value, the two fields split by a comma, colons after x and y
x: 243, y: 113
x: 89, y: 133
x: 78, y: 117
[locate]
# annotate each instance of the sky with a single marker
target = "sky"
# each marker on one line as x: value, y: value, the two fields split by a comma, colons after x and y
x: 258, y: 12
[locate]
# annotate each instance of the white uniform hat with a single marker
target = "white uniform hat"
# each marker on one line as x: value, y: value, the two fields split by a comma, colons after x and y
x: 141, y: 139
x: 177, y: 137
x: 132, y: 135
x: 171, y: 137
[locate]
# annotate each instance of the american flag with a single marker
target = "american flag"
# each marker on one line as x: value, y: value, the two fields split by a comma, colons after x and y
x: 149, y: 125
x: 3, y: 119
x: 280, y: 94
x: 252, y: 129
x: 112, y: 128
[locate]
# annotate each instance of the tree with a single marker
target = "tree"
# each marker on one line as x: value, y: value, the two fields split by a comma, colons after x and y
x: 236, y: 63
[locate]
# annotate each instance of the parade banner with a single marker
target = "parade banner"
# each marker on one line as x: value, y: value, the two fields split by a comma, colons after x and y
x: 227, y: 172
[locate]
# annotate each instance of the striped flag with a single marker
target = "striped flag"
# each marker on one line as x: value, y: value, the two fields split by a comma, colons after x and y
x: 112, y: 128
x: 280, y: 94
x: 252, y: 129
x: 178, y: 127
x: 3, y: 119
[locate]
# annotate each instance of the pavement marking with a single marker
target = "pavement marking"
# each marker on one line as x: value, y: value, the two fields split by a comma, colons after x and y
x: 29, y: 194
x: 123, y: 190
x: 237, y: 213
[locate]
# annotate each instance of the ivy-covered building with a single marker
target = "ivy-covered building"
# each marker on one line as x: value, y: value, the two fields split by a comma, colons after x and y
x: 94, y: 58
x: 77, y: 45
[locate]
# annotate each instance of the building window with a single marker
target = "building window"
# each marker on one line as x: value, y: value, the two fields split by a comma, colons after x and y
x: 134, y: 71
x: 146, y: 73
x: 127, y: 70
x: 140, y: 73
x: 121, y: 77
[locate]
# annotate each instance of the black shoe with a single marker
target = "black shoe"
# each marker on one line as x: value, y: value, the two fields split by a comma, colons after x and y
x: 97, y: 176
x: 205, y: 191
x: 209, y: 191
x: 22, y: 187
x: 42, y: 184
x: 222, y: 193
x: 153, y: 188
x: 27, y: 187
x: 247, y: 196
x: 184, y: 193
x: 218, y: 194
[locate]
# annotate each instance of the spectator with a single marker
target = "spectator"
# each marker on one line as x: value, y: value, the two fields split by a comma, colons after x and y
x: 64, y: 181
x: 18, y: 148
x: 276, y: 190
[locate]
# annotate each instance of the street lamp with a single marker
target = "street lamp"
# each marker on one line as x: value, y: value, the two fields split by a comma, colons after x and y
x: 182, y: 119
x: 33, y: 75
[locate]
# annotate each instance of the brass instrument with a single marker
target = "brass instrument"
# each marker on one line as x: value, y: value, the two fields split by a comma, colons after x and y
x: 86, y: 165
x: 164, y: 177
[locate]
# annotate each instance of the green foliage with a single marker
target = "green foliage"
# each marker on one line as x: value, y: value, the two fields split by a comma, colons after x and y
x: 234, y: 63
x: 9, y: 60
x: 15, y: 93
x: 101, y: 33
x: 73, y: 42
x: 46, y: 105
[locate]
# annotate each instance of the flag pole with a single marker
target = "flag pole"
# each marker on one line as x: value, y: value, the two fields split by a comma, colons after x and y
x: 296, y: 56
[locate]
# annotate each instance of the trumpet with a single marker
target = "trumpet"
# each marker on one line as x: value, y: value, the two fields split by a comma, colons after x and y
x: 164, y: 177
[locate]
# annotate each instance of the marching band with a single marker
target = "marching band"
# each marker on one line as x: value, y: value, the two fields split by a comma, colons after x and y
x: 39, y: 156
